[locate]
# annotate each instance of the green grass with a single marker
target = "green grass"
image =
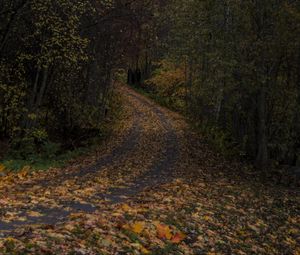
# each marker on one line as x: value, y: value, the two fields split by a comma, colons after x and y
x: 41, y: 162
x: 59, y: 158
x: 53, y: 156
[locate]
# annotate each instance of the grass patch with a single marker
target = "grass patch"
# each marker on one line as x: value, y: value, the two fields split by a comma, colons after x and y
x: 51, y: 154
x: 42, y: 163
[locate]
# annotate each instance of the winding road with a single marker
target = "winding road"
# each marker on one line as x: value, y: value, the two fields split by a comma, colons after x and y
x: 144, y: 155
x: 155, y: 182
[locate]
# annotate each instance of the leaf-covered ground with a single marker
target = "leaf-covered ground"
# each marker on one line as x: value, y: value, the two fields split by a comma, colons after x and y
x: 156, y: 188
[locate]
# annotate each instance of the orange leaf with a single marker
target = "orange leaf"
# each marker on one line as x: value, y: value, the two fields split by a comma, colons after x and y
x: 163, y: 231
x: 126, y: 208
x: 178, y: 237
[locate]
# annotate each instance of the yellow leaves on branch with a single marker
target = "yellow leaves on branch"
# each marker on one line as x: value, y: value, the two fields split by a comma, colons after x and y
x: 170, y: 80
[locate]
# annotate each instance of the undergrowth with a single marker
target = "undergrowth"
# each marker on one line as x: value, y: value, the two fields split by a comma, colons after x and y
x: 38, y: 152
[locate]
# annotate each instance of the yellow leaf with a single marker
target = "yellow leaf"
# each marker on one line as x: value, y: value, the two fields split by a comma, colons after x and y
x: 207, y: 218
x: 117, y: 214
x: 24, y: 172
x: 126, y: 208
x: 11, y: 239
x: 144, y: 250
x: 21, y: 219
x: 138, y: 227
x: 34, y: 214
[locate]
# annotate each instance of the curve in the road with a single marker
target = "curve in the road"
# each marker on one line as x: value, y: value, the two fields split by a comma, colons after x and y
x: 118, y: 153
x: 158, y: 173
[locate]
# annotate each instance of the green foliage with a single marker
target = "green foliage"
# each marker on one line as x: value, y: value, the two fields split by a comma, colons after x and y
x: 35, y: 149
x: 57, y: 63
x: 30, y: 144
x: 168, y: 84
x: 12, y: 94
x: 51, y: 150
x: 242, y: 62
x: 221, y: 141
x: 51, y: 156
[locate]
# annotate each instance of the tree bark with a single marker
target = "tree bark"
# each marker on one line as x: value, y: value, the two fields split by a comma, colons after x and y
x: 43, y: 87
x: 262, y: 152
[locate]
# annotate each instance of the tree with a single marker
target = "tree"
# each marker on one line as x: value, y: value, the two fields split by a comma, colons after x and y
x: 241, y: 59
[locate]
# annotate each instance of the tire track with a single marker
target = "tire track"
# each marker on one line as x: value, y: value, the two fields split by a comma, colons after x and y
x: 127, y: 145
x: 56, y: 215
x: 158, y: 173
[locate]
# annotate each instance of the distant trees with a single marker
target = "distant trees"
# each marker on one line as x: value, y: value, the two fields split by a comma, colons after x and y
x: 241, y: 60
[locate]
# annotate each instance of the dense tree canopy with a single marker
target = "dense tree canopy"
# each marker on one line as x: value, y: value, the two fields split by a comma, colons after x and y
x: 57, y: 61
x: 231, y: 66
x: 199, y: 153
x: 239, y: 63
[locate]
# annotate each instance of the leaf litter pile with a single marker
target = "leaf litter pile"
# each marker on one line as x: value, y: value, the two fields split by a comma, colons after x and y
x: 136, y: 195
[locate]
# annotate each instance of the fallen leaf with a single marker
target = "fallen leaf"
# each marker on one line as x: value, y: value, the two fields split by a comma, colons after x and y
x: 178, y: 237
x: 138, y: 227
x: 34, y: 214
x: 163, y: 231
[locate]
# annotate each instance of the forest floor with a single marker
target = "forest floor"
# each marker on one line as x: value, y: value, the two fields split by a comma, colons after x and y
x: 155, y: 188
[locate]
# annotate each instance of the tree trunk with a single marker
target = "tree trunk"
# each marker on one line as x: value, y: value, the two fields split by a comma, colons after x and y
x: 35, y: 88
x: 262, y: 153
x: 43, y: 87
x: 219, y: 104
